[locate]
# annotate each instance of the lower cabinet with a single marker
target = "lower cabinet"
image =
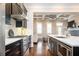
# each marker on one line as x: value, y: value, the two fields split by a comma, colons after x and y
x: 66, y: 50
x: 63, y: 49
x: 26, y: 44
x: 58, y: 48
x: 13, y: 49
x: 53, y: 46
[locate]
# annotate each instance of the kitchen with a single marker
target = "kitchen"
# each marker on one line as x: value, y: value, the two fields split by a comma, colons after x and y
x: 31, y: 29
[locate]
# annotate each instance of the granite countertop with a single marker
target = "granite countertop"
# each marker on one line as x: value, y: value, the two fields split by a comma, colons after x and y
x: 71, y: 40
x: 11, y: 40
x: 14, y: 39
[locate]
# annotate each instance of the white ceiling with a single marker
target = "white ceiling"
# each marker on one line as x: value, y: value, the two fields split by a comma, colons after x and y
x: 53, y: 7
x: 57, y: 9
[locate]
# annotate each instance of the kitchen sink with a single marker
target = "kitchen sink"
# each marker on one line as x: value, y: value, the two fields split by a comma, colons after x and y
x: 60, y: 36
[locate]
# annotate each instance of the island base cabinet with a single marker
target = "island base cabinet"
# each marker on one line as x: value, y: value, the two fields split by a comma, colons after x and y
x: 52, y: 46
x: 66, y: 50
x: 60, y: 48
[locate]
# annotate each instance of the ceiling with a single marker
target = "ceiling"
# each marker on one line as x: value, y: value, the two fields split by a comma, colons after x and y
x: 55, y: 16
x: 53, y: 11
x: 53, y: 7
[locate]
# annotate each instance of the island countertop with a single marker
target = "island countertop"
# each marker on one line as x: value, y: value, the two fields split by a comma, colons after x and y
x: 71, y: 40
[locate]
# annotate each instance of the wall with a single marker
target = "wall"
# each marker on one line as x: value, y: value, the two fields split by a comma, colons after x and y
x: 2, y: 35
x: 30, y: 24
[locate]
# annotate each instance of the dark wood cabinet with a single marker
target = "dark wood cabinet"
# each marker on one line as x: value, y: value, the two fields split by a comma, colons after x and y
x: 63, y: 49
x: 25, y: 23
x: 71, y: 24
x: 11, y: 9
x: 53, y: 46
x: 14, y: 49
x: 15, y: 11
x: 18, y: 23
x: 21, y: 23
x: 59, y: 48
x: 26, y: 44
x: 7, y: 13
x: 75, y: 51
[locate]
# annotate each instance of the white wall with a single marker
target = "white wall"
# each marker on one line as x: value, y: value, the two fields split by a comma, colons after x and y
x: 2, y: 34
x: 53, y: 7
x: 30, y: 23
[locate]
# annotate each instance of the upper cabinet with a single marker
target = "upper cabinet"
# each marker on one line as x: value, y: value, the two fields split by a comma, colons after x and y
x: 7, y: 13
x: 72, y: 24
x: 18, y: 11
x: 21, y: 23
x: 15, y: 11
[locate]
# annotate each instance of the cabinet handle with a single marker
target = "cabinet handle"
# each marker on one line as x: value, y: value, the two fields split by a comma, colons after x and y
x: 17, y: 44
x: 7, y: 50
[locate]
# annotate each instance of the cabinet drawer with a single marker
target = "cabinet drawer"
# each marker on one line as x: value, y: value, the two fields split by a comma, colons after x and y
x: 62, y: 50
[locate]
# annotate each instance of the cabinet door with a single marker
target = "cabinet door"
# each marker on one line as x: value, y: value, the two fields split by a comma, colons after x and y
x: 61, y: 50
x: 69, y: 53
x: 18, y: 23
x: 24, y: 10
x: 14, y: 49
x: 8, y: 13
x: 25, y: 23
x: 16, y: 9
x: 50, y: 44
x: 53, y: 46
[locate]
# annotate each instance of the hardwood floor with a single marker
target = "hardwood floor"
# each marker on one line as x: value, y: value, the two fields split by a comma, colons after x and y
x: 39, y: 49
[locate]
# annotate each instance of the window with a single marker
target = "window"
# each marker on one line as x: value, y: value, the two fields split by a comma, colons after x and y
x: 59, y: 30
x: 39, y: 27
x: 59, y: 27
x: 49, y: 27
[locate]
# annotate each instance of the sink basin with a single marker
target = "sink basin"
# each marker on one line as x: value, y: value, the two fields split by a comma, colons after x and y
x: 60, y: 36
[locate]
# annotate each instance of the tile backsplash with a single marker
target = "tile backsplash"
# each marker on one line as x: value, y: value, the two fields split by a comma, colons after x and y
x: 17, y: 31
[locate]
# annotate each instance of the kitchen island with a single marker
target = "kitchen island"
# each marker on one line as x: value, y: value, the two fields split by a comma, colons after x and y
x: 64, y: 46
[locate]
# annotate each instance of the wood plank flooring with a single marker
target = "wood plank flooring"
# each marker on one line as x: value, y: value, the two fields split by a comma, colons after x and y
x: 39, y: 49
